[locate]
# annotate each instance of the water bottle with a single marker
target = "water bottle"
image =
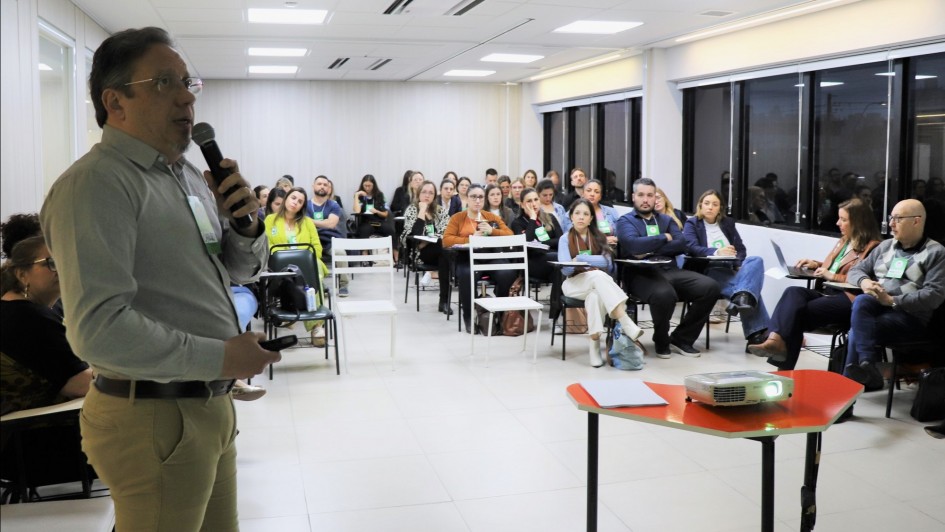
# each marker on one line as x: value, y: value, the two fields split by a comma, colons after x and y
x: 310, y: 299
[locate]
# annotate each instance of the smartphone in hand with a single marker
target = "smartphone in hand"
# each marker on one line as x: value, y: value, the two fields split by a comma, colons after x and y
x: 278, y: 344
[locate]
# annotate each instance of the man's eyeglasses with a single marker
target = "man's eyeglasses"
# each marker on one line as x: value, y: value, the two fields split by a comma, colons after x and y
x: 50, y: 263
x: 476, y: 197
x: 163, y: 83
x: 898, y: 219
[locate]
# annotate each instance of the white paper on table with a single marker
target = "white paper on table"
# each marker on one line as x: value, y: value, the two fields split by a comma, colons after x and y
x: 776, y: 273
x: 616, y: 393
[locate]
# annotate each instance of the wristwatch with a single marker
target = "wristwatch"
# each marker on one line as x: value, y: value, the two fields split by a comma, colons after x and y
x: 893, y: 303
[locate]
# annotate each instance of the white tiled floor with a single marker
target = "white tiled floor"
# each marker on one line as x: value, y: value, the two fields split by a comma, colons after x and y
x: 445, y: 444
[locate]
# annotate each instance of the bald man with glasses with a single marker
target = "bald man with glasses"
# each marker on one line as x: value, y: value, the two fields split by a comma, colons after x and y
x: 903, y: 282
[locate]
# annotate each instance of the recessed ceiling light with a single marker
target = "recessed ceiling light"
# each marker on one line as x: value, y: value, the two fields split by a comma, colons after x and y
x: 285, y: 16
x: 277, y: 52
x: 830, y: 83
x: 925, y: 76
x: 273, y: 69
x: 44, y: 66
x: 470, y: 73
x: 886, y: 74
x: 511, y: 58
x: 598, y: 27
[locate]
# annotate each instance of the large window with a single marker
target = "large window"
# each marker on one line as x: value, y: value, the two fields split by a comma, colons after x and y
x: 603, y: 138
x: 797, y: 145
x: 57, y: 96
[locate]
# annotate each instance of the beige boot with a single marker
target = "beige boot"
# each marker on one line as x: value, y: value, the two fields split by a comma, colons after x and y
x: 596, y: 360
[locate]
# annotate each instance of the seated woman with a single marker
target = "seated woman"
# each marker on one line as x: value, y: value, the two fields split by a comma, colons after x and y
x: 530, y: 179
x: 594, y: 283
x: 39, y: 367
x: 710, y: 233
x: 663, y: 205
x: 428, y: 217
x: 461, y: 187
x: 291, y: 226
x: 801, y: 309
x: 262, y: 196
x: 274, y: 201
x: 479, y: 222
x: 448, y: 199
x: 538, y: 225
x: 369, y: 204
x: 605, y: 217
x: 496, y: 205
x: 514, y: 201
x: 546, y: 194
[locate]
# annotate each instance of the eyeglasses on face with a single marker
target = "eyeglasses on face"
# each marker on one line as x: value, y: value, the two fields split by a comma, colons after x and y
x: 163, y: 83
x: 476, y: 197
x: 50, y: 263
x: 899, y: 219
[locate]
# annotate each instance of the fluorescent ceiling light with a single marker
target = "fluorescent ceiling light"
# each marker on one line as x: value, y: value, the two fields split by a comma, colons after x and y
x: 277, y: 52
x: 597, y: 27
x: 287, y: 16
x: 511, y: 58
x: 470, y: 73
x: 830, y: 83
x: 44, y: 66
x: 925, y: 76
x: 273, y: 69
x: 725, y: 28
x: 886, y: 74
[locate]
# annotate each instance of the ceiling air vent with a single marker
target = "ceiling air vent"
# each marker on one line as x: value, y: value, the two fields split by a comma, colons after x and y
x: 431, y: 8
x: 338, y: 63
x: 717, y: 13
x: 397, y: 7
x: 378, y: 64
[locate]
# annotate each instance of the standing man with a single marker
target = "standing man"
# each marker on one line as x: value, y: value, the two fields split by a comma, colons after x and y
x: 903, y: 282
x: 328, y: 215
x: 492, y: 177
x: 578, y: 180
x: 145, y: 286
x: 643, y: 233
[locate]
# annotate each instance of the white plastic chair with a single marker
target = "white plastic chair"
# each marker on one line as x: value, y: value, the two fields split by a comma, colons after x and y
x: 483, y: 249
x: 379, y: 251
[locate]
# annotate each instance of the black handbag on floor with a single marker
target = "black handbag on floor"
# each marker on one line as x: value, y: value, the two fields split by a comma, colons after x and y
x: 929, y: 404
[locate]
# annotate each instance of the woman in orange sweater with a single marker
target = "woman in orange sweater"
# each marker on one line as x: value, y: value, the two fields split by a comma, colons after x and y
x: 476, y: 221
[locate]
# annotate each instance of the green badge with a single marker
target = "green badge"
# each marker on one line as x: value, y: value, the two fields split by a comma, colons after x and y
x: 541, y: 234
x: 430, y: 230
x: 652, y: 230
x: 718, y: 244
x: 897, y: 268
x: 319, y: 215
x: 605, y: 227
x: 368, y: 207
x: 584, y: 252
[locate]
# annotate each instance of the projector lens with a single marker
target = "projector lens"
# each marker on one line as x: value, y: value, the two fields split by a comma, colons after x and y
x: 773, y: 389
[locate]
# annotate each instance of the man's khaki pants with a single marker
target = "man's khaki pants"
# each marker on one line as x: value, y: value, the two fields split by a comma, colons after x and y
x: 170, y: 464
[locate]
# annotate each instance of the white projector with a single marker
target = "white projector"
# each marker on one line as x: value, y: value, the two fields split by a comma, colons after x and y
x: 732, y: 388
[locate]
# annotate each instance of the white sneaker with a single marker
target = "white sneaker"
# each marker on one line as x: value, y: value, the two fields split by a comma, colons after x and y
x: 426, y: 279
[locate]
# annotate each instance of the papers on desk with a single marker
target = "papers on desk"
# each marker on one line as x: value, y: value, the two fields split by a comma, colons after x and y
x: 653, y: 260
x: 847, y: 287
x: 776, y: 273
x: 537, y: 245
x: 425, y: 238
x: 617, y: 393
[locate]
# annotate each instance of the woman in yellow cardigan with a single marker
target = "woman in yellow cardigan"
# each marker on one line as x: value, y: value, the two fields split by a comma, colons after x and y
x: 291, y: 226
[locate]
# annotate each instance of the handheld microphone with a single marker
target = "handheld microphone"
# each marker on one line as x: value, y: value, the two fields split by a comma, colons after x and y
x: 203, y: 136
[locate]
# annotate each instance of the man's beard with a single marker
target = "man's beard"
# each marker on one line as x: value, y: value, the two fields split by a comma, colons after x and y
x: 649, y: 210
x: 321, y: 193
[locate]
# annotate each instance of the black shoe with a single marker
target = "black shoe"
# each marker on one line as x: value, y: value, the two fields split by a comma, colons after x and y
x: 663, y: 351
x: 445, y: 308
x: 866, y: 374
x: 744, y: 301
x: 731, y: 309
x: 845, y: 416
x: 685, y: 349
x: 936, y: 431
x: 468, y: 323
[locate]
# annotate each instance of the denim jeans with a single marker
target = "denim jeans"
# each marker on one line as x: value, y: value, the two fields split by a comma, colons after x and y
x: 749, y: 278
x: 873, y: 323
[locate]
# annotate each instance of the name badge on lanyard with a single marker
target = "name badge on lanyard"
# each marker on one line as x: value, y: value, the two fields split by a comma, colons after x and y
x: 207, y: 233
x: 897, y: 268
x: 541, y: 234
x: 718, y: 244
x: 431, y: 230
x: 319, y: 215
x: 652, y: 230
x: 604, y: 226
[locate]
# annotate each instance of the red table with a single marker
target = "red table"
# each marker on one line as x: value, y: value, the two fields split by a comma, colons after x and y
x: 819, y: 399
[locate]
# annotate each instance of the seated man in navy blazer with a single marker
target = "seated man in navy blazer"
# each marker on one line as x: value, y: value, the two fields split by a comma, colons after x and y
x: 644, y: 233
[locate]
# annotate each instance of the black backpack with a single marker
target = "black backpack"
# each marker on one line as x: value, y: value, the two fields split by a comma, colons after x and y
x: 291, y: 290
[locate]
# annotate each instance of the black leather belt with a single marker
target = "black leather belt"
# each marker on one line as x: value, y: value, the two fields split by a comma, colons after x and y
x: 163, y: 390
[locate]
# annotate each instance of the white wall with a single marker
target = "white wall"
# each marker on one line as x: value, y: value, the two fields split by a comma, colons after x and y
x: 347, y: 129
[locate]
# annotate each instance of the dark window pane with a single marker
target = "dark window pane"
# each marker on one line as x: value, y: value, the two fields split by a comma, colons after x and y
x: 616, y: 153
x: 581, y: 135
x: 554, y: 142
x: 711, y: 141
x: 772, y: 118
x: 928, y: 162
x: 849, y: 136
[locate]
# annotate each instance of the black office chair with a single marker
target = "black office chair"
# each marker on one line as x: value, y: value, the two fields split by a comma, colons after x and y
x: 414, y: 265
x: 303, y: 257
